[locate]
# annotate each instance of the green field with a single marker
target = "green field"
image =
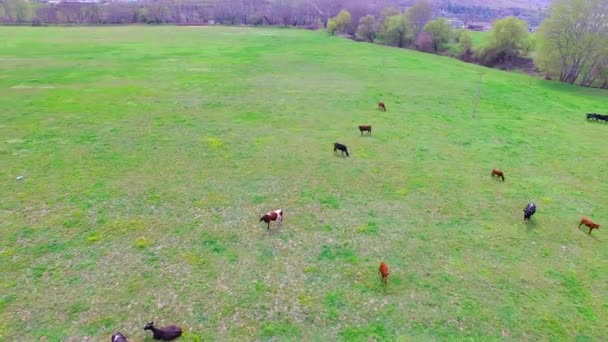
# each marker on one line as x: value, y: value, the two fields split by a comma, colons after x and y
x: 149, y: 153
x: 478, y: 40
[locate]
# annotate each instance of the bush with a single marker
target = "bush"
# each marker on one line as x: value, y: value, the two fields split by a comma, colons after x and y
x: 465, y: 43
x: 340, y: 23
x: 332, y: 27
x: 508, y: 40
x: 367, y: 28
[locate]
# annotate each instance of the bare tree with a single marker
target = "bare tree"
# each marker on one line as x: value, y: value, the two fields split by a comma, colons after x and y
x: 418, y: 15
x: 573, y: 41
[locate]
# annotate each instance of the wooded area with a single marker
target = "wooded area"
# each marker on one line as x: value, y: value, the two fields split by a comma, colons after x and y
x: 192, y: 12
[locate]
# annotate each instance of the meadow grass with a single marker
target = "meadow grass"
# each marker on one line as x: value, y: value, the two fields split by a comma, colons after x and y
x: 149, y: 153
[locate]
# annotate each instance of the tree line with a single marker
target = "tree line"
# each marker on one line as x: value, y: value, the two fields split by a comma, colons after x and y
x: 226, y: 12
x: 571, y: 44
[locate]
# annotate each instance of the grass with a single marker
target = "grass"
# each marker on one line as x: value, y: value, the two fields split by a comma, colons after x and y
x: 478, y: 39
x: 149, y: 153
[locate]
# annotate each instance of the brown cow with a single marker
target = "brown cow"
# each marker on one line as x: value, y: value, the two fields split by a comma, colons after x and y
x: 383, y: 272
x: 590, y: 224
x: 381, y: 106
x: 499, y: 174
x: 365, y: 128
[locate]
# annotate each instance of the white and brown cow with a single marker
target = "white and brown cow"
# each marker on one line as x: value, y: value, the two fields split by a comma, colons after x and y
x: 276, y: 215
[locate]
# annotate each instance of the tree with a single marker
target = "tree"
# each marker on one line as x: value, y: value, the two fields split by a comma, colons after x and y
x: 424, y: 42
x: 324, y: 8
x: 418, y: 15
x: 603, y: 74
x: 93, y: 14
x: 383, y: 24
x: 508, y: 39
x: 367, y: 28
x: 3, y: 14
x: 120, y: 13
x: 388, y: 12
x: 158, y: 12
x: 23, y: 11
x: 332, y: 27
x: 465, y: 43
x: 573, y: 41
x: 396, y: 32
x: 357, y: 10
x: 440, y: 31
x: 340, y: 23
x: 16, y: 11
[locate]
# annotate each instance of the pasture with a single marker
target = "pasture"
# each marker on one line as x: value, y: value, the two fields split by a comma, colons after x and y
x: 148, y: 155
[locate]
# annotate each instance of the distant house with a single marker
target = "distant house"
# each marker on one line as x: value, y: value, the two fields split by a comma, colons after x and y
x: 474, y: 27
x: 81, y: 1
x: 479, y: 27
x: 456, y: 23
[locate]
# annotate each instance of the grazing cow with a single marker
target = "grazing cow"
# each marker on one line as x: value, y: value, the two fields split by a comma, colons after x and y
x: 167, y: 333
x: 383, y: 270
x: 601, y: 117
x: 529, y: 210
x: 592, y: 116
x: 590, y: 224
x: 276, y: 215
x: 365, y: 128
x: 498, y: 174
x: 341, y: 148
x: 118, y: 337
x: 381, y: 106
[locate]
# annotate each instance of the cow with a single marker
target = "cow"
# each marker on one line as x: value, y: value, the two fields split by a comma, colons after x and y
x: 601, y: 117
x: 381, y: 106
x: 341, y: 148
x: 498, y: 174
x: 276, y: 215
x: 383, y: 270
x: 592, y: 116
x: 118, y: 337
x: 167, y: 333
x: 366, y: 128
x: 529, y: 210
x: 590, y: 224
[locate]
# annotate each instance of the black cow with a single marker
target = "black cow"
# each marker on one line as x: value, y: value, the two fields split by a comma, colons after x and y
x: 529, y: 210
x: 341, y: 148
x: 167, y: 333
x: 592, y: 116
x: 601, y: 117
x: 118, y: 337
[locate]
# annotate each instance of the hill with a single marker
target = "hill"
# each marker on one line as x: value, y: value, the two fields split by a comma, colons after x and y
x: 136, y: 162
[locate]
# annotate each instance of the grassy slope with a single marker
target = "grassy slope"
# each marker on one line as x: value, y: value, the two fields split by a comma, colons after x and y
x: 150, y: 152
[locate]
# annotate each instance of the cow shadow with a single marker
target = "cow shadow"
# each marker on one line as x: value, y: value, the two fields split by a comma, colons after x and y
x: 585, y: 231
x: 530, y: 225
